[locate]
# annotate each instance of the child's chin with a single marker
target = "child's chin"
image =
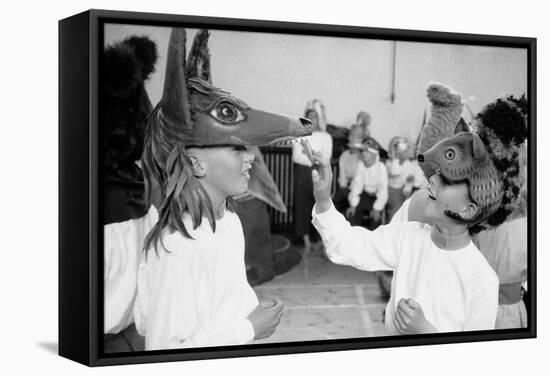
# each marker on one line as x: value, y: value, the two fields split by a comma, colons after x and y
x: 431, y: 211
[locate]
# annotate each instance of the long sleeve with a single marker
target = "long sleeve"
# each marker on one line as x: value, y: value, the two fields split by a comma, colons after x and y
x: 483, y: 306
x: 357, y: 246
x: 382, y: 189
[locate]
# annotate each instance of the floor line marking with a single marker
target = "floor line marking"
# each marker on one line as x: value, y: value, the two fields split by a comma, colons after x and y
x: 319, y: 333
x: 367, y: 322
x: 336, y: 306
x: 313, y: 286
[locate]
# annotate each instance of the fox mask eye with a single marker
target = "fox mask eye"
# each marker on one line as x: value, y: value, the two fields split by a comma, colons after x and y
x: 449, y: 154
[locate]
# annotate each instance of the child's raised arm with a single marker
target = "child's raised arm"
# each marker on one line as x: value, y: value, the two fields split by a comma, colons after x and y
x: 348, y: 245
x: 322, y: 184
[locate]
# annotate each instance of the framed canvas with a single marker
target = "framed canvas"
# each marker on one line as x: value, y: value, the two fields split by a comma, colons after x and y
x: 146, y: 101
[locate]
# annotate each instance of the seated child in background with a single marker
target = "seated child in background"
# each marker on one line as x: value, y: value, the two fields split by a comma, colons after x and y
x: 347, y: 167
x: 369, y: 188
x: 400, y: 175
x: 442, y: 282
x: 364, y: 120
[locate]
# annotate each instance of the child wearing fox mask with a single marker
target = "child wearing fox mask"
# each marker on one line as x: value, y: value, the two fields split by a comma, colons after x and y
x: 442, y: 283
x: 503, y: 240
x: 192, y: 286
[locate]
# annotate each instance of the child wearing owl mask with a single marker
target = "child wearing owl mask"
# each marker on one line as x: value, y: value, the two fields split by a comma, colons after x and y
x: 442, y: 283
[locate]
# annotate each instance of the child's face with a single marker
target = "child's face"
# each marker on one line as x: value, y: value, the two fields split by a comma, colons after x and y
x: 445, y: 195
x: 368, y: 158
x: 227, y: 169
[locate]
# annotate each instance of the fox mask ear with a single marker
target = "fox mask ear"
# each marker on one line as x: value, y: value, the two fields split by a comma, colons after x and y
x: 479, y: 150
x: 462, y: 126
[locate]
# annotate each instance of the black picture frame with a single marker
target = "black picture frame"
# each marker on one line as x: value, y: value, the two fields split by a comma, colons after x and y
x: 80, y: 229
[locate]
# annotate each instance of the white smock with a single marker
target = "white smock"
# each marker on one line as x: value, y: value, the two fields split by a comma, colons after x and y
x: 457, y: 290
x: 123, y: 250
x: 196, y: 294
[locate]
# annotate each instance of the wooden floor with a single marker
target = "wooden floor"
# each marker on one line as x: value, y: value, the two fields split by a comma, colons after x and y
x: 325, y: 301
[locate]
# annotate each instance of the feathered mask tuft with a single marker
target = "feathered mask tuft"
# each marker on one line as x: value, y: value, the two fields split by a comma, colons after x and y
x: 445, y: 119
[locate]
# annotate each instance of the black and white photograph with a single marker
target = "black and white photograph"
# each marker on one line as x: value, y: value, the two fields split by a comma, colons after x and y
x: 295, y: 188
x: 275, y: 188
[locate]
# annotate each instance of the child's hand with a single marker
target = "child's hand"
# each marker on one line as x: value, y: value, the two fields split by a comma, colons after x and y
x: 322, y: 184
x: 409, y: 318
x: 265, y: 319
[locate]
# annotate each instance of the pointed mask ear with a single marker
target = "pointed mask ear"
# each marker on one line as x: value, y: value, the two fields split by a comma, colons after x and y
x: 462, y: 126
x: 478, y: 148
x: 175, y: 97
x: 198, y: 62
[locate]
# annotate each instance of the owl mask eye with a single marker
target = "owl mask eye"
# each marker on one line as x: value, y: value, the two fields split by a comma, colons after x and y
x: 449, y: 154
x: 227, y: 113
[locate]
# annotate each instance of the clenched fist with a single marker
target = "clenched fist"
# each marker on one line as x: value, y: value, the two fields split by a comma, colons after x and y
x: 409, y: 318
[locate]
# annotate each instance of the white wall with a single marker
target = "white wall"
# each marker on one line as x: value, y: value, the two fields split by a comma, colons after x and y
x: 282, y: 72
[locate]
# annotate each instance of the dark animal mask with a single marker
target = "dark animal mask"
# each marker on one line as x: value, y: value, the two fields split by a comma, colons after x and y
x: 125, y: 108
